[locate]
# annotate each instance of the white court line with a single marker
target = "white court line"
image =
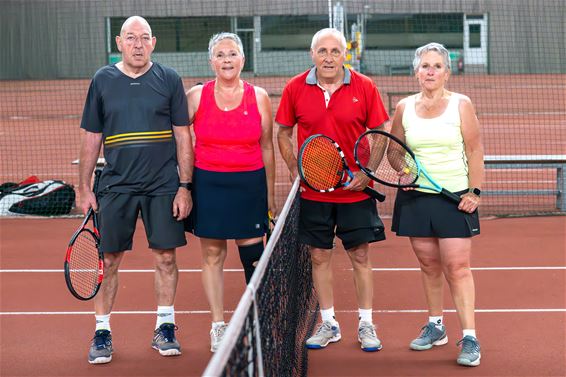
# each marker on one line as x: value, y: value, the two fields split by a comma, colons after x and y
x: 481, y: 269
x: 386, y: 311
x: 533, y: 310
x: 349, y: 269
x: 125, y: 271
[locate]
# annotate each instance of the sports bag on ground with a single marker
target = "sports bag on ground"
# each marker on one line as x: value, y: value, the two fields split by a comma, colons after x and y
x: 35, y: 197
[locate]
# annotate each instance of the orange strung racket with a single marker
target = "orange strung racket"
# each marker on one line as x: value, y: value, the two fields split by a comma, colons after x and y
x: 323, y: 168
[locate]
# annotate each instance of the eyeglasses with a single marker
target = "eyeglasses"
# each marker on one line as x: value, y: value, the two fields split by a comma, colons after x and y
x: 324, y: 53
x: 132, y: 39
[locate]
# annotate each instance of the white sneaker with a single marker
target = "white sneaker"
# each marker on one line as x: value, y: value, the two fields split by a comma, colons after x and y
x: 327, y: 332
x: 216, y: 336
x: 367, y: 337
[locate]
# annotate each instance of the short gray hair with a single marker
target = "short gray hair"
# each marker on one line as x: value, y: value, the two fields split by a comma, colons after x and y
x: 217, y: 38
x: 329, y: 31
x: 436, y: 47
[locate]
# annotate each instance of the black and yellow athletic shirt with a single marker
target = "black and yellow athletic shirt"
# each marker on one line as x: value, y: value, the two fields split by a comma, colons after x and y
x: 135, y: 117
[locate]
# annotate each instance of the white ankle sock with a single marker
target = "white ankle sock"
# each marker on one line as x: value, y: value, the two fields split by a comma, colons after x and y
x: 470, y: 332
x: 328, y: 315
x: 102, y: 322
x: 437, y: 320
x: 365, y: 315
x: 165, y: 314
x: 218, y: 324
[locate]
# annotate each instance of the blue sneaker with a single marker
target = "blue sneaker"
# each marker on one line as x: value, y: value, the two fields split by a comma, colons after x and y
x: 431, y: 335
x: 164, y: 340
x: 470, y: 355
x: 327, y: 332
x: 101, y: 348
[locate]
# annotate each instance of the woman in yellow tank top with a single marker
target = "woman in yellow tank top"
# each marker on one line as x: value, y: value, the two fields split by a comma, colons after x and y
x: 442, y: 129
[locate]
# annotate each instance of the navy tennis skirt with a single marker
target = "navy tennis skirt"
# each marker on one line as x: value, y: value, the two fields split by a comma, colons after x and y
x: 420, y: 214
x: 228, y: 205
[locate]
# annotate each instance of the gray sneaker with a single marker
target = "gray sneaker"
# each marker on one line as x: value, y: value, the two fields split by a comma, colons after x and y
x: 430, y: 336
x: 216, y: 336
x: 164, y: 340
x: 101, y: 348
x: 326, y: 333
x: 367, y: 337
x: 470, y: 355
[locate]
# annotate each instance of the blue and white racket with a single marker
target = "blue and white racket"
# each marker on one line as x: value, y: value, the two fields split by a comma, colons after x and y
x: 387, y: 160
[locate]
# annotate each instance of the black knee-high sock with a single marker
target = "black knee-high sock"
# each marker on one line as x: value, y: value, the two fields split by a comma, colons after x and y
x: 249, y: 255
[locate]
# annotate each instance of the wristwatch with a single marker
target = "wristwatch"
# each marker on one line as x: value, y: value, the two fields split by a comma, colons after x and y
x: 186, y: 185
x: 475, y: 191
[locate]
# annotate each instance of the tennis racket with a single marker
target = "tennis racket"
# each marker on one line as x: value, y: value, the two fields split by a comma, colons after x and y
x: 387, y: 160
x: 323, y: 168
x: 84, y: 261
x: 270, y: 225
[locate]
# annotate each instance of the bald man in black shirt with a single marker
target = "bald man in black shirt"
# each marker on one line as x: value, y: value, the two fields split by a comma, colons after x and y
x: 138, y: 110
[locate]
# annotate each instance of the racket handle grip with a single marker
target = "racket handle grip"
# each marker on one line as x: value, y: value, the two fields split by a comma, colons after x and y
x: 450, y: 195
x: 97, y: 173
x: 375, y: 194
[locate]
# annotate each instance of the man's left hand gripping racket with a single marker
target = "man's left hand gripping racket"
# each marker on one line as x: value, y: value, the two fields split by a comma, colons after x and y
x: 323, y: 168
x: 84, y: 262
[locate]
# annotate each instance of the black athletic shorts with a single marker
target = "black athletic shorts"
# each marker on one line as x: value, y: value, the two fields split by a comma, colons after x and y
x: 420, y: 214
x: 118, y: 214
x: 354, y: 223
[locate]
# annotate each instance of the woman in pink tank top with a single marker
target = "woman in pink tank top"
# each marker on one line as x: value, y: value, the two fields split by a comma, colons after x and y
x: 234, y: 170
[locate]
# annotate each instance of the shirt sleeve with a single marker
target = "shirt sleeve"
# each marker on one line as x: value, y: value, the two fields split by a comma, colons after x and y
x: 286, y: 112
x: 179, y: 107
x: 377, y: 114
x: 93, y: 114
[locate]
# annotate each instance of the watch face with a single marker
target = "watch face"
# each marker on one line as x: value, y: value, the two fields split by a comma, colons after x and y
x: 476, y: 191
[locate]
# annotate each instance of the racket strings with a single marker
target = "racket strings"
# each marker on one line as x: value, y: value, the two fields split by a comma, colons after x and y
x: 84, y: 264
x: 322, y: 164
x: 387, y: 160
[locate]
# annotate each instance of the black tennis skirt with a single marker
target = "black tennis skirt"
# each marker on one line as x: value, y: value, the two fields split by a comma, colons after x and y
x: 420, y: 214
x: 228, y: 205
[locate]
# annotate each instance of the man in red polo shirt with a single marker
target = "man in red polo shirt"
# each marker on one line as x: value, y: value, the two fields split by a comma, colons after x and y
x: 333, y: 100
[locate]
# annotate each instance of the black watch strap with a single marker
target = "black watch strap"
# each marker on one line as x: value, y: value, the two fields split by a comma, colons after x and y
x: 187, y: 185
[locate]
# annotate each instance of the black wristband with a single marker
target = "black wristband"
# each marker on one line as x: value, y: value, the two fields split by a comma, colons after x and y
x: 186, y: 185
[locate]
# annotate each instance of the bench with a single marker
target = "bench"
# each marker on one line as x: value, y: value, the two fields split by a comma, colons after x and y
x: 400, y: 70
x: 557, y: 162
x: 99, y: 163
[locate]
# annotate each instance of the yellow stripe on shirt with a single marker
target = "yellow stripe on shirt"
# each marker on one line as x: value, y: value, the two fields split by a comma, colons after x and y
x: 168, y: 132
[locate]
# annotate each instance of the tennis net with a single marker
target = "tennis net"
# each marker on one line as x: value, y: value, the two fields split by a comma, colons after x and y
x: 509, y: 60
x: 277, y: 311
